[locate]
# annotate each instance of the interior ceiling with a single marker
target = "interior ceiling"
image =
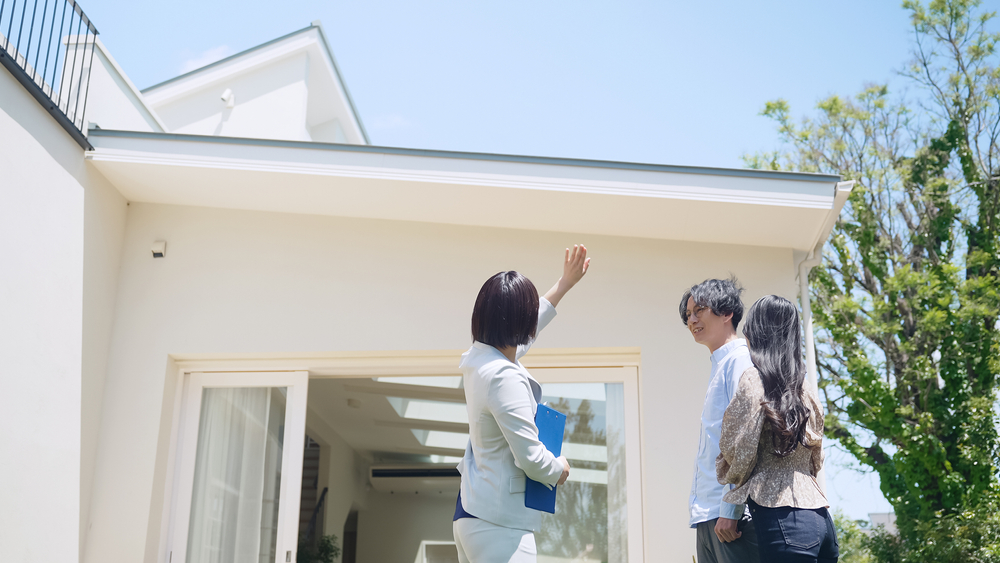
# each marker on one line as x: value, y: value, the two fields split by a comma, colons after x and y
x: 374, y: 428
x: 423, y: 419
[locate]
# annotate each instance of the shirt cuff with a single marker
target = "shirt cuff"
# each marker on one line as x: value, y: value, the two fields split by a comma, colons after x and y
x: 731, y: 511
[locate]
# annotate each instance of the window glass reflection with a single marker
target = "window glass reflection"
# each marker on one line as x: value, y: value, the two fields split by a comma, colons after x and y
x: 590, y: 520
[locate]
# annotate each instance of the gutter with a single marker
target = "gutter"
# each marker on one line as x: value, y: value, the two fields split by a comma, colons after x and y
x: 464, y: 155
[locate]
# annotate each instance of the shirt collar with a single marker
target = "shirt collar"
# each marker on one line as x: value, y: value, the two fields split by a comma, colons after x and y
x: 491, y: 350
x: 724, y: 351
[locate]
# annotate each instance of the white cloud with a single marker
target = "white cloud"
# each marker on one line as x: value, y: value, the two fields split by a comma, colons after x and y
x: 206, y: 58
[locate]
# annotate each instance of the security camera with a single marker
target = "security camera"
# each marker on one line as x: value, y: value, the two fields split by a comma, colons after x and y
x: 229, y: 98
x: 159, y: 249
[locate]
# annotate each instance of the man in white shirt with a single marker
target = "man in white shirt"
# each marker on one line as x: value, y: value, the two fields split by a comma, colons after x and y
x: 711, y: 311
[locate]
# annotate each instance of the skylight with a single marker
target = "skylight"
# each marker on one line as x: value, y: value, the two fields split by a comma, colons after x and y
x: 444, y: 459
x: 438, y: 411
x: 439, y: 439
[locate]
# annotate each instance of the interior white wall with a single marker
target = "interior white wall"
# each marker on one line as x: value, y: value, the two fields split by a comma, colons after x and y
x: 343, y: 471
x: 391, y: 528
x: 41, y: 315
x: 253, y: 282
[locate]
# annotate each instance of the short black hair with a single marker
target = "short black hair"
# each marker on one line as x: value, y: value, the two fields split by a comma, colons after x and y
x: 721, y: 296
x: 506, y: 311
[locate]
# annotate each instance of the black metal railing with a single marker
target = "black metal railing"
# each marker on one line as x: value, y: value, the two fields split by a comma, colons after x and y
x: 49, y: 45
x: 308, y: 536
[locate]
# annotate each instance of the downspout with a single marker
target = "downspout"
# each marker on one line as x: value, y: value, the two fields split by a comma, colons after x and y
x: 841, y: 192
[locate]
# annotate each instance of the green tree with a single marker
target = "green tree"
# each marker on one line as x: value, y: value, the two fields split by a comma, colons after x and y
x: 906, y: 298
x: 852, y: 540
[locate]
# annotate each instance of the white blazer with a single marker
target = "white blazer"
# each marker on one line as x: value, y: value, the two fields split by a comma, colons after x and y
x: 501, y: 398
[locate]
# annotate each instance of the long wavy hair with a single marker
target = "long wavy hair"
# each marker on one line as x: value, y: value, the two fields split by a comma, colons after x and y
x: 772, y: 332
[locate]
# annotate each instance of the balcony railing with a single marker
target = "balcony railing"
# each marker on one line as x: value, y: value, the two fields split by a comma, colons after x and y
x: 49, y: 45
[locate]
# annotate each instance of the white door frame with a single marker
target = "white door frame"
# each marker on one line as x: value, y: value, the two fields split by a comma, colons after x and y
x: 628, y: 376
x: 297, y: 384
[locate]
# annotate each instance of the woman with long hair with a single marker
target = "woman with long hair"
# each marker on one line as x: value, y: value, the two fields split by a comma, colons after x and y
x: 491, y: 523
x: 772, y: 442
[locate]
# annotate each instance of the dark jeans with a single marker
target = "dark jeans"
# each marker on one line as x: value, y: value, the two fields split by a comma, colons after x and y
x: 711, y: 550
x: 794, y: 535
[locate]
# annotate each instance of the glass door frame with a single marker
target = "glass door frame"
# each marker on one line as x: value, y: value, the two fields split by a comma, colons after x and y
x: 293, y: 440
x: 628, y: 376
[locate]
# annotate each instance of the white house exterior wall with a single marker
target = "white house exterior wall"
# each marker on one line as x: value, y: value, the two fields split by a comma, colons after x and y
x: 113, y: 102
x: 257, y: 282
x: 270, y: 103
x: 43, y: 164
x: 105, y: 212
x: 41, y: 300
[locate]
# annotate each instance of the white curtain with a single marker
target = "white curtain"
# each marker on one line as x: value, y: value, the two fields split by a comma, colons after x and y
x: 617, y: 506
x: 235, y: 470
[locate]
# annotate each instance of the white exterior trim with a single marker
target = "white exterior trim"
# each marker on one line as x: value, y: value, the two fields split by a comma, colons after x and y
x: 692, y: 193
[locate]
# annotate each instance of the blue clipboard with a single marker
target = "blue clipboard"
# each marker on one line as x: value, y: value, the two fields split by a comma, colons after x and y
x: 551, y: 426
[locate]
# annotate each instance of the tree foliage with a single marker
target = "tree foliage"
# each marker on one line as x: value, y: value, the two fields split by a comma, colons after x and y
x: 851, y: 540
x: 906, y: 298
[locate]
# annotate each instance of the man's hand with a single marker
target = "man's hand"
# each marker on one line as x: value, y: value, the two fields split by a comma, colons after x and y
x: 565, y: 473
x: 725, y: 528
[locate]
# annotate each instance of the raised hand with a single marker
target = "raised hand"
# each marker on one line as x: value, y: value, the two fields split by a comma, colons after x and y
x: 575, y: 266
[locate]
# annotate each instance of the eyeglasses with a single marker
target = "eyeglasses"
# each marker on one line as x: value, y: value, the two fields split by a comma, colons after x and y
x: 697, y: 312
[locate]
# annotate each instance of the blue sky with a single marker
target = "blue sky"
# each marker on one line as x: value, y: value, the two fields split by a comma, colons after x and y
x: 661, y: 82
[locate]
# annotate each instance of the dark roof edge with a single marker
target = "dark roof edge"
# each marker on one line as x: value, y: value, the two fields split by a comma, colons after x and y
x: 227, y: 59
x: 372, y: 149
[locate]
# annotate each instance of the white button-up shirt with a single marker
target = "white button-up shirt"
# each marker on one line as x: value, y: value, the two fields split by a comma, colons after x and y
x: 728, y: 364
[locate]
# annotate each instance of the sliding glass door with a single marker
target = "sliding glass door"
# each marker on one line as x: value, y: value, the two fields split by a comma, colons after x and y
x: 239, y: 469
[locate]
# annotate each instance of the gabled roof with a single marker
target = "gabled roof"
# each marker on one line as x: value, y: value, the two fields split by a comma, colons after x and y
x: 184, y: 100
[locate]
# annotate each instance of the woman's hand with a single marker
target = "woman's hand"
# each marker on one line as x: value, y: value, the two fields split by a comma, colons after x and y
x: 575, y: 266
x: 565, y: 473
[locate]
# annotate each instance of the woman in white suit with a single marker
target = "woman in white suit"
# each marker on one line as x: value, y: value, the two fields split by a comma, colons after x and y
x: 491, y: 523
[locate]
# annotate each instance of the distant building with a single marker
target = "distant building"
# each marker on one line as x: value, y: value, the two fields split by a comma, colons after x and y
x: 885, y: 519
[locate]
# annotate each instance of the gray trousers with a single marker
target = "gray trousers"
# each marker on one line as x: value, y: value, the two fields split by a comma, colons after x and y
x: 711, y: 550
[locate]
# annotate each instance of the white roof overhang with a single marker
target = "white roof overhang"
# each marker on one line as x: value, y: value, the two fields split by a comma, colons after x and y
x: 751, y: 207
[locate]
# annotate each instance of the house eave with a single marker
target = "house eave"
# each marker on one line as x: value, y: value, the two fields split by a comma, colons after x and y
x: 601, y: 197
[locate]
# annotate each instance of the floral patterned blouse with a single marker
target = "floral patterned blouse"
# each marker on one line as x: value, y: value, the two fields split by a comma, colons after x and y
x: 748, y: 460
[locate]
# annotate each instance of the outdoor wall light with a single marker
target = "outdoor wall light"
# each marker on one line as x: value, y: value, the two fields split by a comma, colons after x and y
x: 229, y: 98
x: 159, y: 249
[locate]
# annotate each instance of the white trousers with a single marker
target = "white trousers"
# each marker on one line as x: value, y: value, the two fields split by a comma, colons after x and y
x: 479, y: 541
